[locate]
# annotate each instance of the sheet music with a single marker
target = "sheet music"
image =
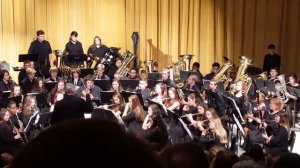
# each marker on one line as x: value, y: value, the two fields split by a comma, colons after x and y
x: 239, y: 125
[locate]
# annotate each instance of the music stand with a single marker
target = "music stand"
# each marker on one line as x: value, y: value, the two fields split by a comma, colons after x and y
x: 154, y: 76
x: 104, y: 114
x: 44, y: 119
x: 106, y: 97
x: 126, y: 95
x: 86, y: 71
x: 50, y: 85
x: 6, y: 93
x: 152, y: 83
x: 30, y: 125
x: 76, y: 58
x: 129, y: 84
x: 28, y: 57
x: 104, y: 84
x: 96, y: 100
x: 295, y: 92
x: 270, y: 85
x: 259, y: 83
x: 5, y: 101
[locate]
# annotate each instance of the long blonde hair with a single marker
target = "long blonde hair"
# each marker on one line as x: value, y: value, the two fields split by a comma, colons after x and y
x: 219, y: 129
x: 137, y: 107
x: 28, y: 108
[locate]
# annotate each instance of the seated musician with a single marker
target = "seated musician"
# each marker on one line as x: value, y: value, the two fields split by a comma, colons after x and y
x: 214, y: 69
x: 73, y: 47
x: 278, y: 140
x: 160, y: 93
x: 16, y: 116
x: 39, y: 86
x: 165, y: 74
x: 196, y: 68
x: 97, y: 49
x: 173, y: 103
x: 116, y: 86
x: 113, y: 68
x: 154, y: 128
x: 132, y: 74
x: 28, y: 82
x: 5, y: 83
x: 16, y: 91
x: 22, y: 74
x: 75, y: 77
x: 57, y: 91
x: 134, y: 116
x: 30, y: 108
x: 117, y: 105
x: 89, y: 88
x: 212, y: 130
x: 273, y: 73
x: 10, y: 138
x: 214, y: 98
x: 239, y: 97
x: 145, y: 92
x: 294, y: 101
x: 53, y: 71
x: 191, y: 83
x: 100, y: 72
x: 191, y: 107
x: 155, y: 66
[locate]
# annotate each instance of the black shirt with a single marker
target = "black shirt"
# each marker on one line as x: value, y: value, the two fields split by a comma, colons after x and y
x: 271, y: 61
x: 98, y: 51
x: 43, y: 49
x: 209, y: 76
x: 27, y: 85
x: 72, y: 48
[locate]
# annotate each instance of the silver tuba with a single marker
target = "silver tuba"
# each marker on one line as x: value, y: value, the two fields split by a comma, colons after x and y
x: 280, y: 87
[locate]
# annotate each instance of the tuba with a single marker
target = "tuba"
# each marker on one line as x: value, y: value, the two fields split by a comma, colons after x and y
x: 145, y: 71
x: 241, y: 75
x: 123, y: 70
x: 263, y: 76
x: 221, y: 74
x: 95, y: 59
x: 280, y: 87
x: 185, y: 61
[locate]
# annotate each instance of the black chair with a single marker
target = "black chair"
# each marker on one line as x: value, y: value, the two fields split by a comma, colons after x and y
x: 292, y: 140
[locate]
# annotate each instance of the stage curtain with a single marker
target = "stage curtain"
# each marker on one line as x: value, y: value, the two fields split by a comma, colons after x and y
x: 208, y: 29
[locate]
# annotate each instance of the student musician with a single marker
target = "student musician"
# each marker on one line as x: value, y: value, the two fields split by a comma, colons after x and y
x: 173, y: 102
x: 53, y: 75
x: 214, y: 98
x: 28, y: 82
x: 73, y: 47
x: 294, y: 101
x: 100, y: 72
x: 97, y: 49
x: 16, y: 91
x: 75, y: 79
x: 5, y: 83
x: 39, y: 86
x: 117, y: 105
x: 165, y: 74
x: 134, y: 116
x: 273, y: 74
x: 16, y: 116
x: 113, y: 68
x: 278, y: 140
x: 154, y: 128
x: 57, y: 92
x: 191, y: 107
x: 116, y: 86
x: 132, y: 75
x: 160, y: 93
x: 89, y: 88
x: 191, y: 83
x: 145, y: 92
x: 10, y: 138
x: 239, y: 97
x: 30, y: 108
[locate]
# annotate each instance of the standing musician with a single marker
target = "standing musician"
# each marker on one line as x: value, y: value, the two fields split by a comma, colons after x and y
x: 97, y: 49
x: 165, y: 74
x: 134, y: 116
x: 145, y: 92
x: 173, y: 103
x: 5, y: 83
x: 154, y: 129
x: 10, y: 138
x: 116, y: 86
x: 41, y: 47
x: 89, y: 88
x: 73, y: 47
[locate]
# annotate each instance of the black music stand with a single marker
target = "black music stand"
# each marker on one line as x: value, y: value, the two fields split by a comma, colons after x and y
x: 6, y: 93
x: 206, y: 84
x: 106, y: 97
x: 29, y: 127
x: 50, y: 85
x: 96, y: 101
x: 152, y: 83
x: 5, y: 101
x: 41, y: 99
x: 86, y: 71
x: 126, y: 95
x: 28, y: 57
x: 259, y: 83
x: 270, y: 85
x: 104, y: 84
x: 76, y: 58
x: 154, y: 76
x: 184, y: 75
x: 44, y: 119
x: 129, y: 84
x: 104, y: 114
x: 295, y: 92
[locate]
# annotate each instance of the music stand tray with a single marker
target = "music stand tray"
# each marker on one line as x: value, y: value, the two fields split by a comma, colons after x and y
x: 129, y: 84
x: 104, y: 84
x: 75, y: 58
x: 106, y: 97
x: 152, y: 83
x: 86, y: 71
x: 30, y: 57
x: 5, y: 101
x: 154, y: 76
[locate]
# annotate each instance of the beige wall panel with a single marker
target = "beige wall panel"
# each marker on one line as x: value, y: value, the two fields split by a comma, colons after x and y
x: 152, y: 27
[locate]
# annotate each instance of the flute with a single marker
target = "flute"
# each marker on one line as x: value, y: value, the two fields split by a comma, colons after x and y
x: 186, y: 115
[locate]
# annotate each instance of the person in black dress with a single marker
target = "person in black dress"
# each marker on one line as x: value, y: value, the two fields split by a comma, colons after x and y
x: 41, y: 47
x: 97, y: 50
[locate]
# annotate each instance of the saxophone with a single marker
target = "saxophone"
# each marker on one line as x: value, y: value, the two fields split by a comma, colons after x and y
x: 220, y: 76
x: 241, y: 75
x: 123, y: 70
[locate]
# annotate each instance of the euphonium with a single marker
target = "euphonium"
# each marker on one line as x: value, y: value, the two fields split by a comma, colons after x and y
x: 221, y: 74
x: 280, y: 87
x: 145, y: 71
x: 263, y: 76
x: 123, y: 70
x: 241, y: 75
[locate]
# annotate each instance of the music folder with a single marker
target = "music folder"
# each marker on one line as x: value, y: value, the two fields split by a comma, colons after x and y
x: 26, y: 57
x: 106, y: 97
x: 104, y: 84
x: 129, y: 84
x: 50, y: 85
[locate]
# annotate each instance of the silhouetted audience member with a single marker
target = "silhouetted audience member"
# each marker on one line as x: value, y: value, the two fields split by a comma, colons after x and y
x: 256, y: 153
x: 86, y: 143
x: 224, y: 159
x: 290, y: 160
x: 184, y: 155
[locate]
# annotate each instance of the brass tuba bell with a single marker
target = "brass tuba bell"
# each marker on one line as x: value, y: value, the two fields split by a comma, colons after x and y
x: 185, y: 60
